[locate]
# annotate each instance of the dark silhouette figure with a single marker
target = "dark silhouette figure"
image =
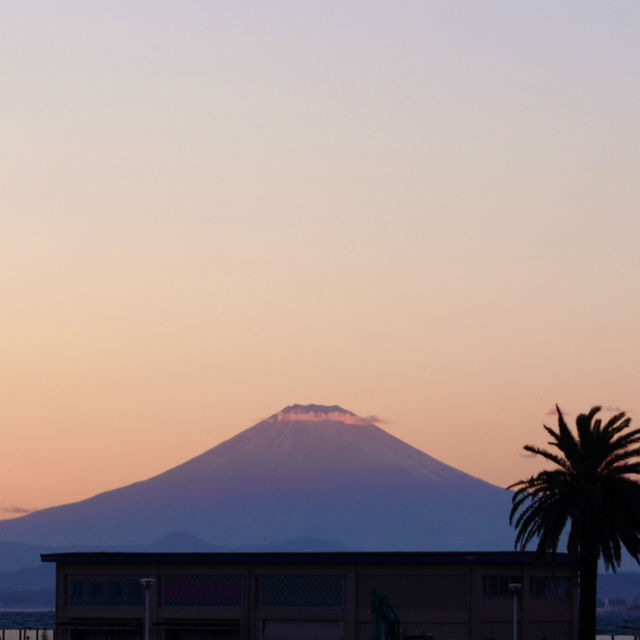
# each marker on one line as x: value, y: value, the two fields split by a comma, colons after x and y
x: 386, y: 625
x: 592, y: 489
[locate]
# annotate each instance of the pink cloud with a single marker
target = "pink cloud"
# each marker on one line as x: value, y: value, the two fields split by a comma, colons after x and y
x: 376, y: 419
x: 554, y: 412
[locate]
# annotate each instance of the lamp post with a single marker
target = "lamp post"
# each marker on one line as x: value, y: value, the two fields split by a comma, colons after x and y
x: 146, y: 583
x: 514, y: 587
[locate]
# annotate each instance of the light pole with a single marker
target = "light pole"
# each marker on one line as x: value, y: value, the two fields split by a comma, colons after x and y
x: 146, y: 583
x: 514, y: 587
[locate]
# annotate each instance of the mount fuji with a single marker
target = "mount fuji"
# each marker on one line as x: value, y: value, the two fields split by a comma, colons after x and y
x: 307, y: 472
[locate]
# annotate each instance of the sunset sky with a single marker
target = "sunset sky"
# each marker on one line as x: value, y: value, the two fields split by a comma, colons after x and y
x: 427, y: 212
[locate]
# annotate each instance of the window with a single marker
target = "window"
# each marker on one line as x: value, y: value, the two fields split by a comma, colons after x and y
x: 104, y: 591
x: 301, y: 591
x: 548, y: 587
x: 203, y: 591
x: 498, y: 586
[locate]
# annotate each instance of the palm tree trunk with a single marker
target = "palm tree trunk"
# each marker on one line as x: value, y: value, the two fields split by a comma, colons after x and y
x: 588, y: 567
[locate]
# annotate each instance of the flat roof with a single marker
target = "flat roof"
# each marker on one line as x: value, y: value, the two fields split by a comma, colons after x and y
x: 341, y: 557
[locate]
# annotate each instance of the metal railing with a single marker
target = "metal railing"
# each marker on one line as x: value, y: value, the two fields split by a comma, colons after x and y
x: 26, y: 634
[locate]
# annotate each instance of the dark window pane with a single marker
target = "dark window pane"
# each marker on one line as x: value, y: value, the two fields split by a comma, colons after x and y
x: 548, y: 587
x: 498, y: 586
x: 301, y: 591
x: 104, y: 591
x: 203, y: 591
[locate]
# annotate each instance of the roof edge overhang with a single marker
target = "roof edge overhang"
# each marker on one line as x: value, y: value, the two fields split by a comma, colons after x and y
x: 342, y: 557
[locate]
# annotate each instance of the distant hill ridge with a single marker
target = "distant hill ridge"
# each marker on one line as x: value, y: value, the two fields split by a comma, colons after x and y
x: 26, y: 582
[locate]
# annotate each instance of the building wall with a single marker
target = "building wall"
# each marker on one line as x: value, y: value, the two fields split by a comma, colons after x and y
x: 313, y: 601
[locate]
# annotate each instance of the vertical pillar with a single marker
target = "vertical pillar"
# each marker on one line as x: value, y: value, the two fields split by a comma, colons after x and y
x: 515, y: 588
x: 146, y: 583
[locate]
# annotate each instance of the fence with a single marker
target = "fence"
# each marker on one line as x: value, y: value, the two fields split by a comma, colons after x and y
x: 26, y: 634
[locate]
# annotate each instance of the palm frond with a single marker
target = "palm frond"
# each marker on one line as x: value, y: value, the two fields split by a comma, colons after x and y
x: 591, y: 491
x: 549, y: 455
x: 565, y: 441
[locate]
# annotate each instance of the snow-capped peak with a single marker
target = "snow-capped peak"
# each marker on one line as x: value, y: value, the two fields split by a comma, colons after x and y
x: 317, y: 413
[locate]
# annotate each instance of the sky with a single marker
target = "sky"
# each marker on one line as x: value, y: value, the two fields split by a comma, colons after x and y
x: 426, y: 211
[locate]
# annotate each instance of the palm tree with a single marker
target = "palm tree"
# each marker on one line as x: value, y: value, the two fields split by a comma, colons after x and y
x: 592, y: 490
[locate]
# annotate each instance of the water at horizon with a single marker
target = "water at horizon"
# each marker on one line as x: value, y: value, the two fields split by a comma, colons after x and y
x: 618, y: 624
x: 27, y: 619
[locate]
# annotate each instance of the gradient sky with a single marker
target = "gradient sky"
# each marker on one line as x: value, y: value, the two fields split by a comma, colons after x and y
x: 424, y: 211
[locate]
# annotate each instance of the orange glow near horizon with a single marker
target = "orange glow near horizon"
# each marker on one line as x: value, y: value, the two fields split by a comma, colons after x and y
x: 209, y: 213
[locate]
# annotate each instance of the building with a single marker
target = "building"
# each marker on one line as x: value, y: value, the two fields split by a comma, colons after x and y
x: 312, y: 596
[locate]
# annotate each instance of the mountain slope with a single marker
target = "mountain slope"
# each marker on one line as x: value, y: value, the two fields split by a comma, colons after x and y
x: 307, y: 471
